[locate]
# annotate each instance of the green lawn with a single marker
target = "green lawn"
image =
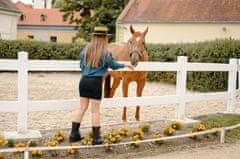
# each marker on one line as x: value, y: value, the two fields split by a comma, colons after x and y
x: 222, y: 120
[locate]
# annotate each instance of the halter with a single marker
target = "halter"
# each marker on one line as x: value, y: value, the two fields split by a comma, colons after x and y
x: 135, y: 50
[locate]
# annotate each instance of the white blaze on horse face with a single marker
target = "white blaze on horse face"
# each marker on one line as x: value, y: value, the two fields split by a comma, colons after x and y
x: 137, y: 39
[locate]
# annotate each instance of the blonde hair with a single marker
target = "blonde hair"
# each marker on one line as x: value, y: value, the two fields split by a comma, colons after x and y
x: 96, y: 49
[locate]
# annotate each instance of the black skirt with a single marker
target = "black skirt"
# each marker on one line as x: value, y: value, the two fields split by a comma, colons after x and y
x: 90, y: 87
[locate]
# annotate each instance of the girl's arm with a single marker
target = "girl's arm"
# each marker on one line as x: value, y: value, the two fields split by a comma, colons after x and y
x: 115, y: 65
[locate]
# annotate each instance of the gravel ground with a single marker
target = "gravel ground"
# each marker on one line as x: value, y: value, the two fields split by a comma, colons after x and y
x: 49, y: 86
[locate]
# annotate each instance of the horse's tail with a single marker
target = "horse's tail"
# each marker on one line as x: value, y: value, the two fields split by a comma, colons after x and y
x: 107, y: 86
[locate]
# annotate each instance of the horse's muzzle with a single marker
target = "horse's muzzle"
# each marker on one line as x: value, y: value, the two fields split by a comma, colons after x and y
x: 134, y: 62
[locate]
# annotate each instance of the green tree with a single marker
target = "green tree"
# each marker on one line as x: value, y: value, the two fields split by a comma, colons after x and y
x: 89, y: 13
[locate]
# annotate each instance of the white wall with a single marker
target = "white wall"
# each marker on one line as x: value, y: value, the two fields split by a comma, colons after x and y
x: 176, y: 33
x: 8, y: 31
x: 40, y: 4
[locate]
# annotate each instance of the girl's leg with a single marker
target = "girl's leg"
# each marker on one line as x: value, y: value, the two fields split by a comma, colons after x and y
x: 95, y: 109
x: 75, y: 135
x: 79, y: 113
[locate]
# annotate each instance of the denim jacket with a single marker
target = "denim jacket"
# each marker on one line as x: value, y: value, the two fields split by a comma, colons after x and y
x: 101, y: 69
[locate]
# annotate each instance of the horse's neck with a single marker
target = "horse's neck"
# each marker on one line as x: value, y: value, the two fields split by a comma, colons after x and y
x: 120, y: 51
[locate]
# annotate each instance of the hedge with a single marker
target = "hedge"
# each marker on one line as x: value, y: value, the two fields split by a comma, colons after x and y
x: 217, y: 51
x: 40, y: 50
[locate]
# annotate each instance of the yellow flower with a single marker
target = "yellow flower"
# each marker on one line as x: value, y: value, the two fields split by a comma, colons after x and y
x: 1, y: 155
x: 159, y: 141
x: 60, y: 138
x: 112, y: 139
x: 108, y: 147
x: 176, y: 125
x: 20, y: 145
x: 191, y: 136
x: 139, y: 133
x: 168, y: 130
x: 136, y: 144
x: 32, y: 143
x: 34, y: 152
x: 5, y: 143
x: 199, y: 127
x: 1, y: 141
x: 73, y: 150
x: 70, y: 151
x: 145, y: 127
x: 87, y: 141
x: 37, y: 153
x: 52, y: 143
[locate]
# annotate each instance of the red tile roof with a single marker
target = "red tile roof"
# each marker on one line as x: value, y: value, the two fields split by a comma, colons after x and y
x: 8, y: 6
x: 32, y: 16
x: 181, y: 11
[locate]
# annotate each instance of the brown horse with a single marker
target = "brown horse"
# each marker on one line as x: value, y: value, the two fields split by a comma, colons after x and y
x: 134, y: 50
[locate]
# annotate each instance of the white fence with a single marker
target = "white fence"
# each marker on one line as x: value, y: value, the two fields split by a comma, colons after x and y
x: 22, y: 106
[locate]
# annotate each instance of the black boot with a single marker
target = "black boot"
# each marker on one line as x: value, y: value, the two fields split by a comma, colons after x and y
x: 75, y: 135
x: 97, y: 139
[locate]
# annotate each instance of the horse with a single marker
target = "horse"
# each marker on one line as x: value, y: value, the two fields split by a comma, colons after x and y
x: 134, y: 51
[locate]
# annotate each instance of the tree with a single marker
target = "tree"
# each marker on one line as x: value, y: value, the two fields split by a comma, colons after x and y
x: 89, y: 13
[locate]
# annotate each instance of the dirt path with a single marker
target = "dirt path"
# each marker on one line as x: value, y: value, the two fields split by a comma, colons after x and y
x: 221, y: 151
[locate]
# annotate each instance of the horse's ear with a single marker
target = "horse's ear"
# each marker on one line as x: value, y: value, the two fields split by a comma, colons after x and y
x: 131, y: 29
x: 145, y: 32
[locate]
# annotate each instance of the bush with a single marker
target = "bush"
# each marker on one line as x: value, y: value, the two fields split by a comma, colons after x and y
x: 217, y: 51
x: 40, y: 50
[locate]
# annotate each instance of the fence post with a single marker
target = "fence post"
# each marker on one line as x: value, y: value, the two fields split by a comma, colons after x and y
x: 26, y: 154
x: 232, y: 80
x: 222, y: 136
x: 238, y: 76
x: 181, y: 86
x: 22, y: 92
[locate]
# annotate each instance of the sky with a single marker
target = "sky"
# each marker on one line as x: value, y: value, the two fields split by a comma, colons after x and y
x: 25, y: 1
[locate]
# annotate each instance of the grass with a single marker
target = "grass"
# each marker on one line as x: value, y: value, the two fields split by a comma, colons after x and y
x: 222, y: 120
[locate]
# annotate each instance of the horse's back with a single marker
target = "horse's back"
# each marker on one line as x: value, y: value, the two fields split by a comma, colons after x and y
x: 119, y: 51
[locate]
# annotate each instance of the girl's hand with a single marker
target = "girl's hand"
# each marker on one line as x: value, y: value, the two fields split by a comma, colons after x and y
x: 131, y: 67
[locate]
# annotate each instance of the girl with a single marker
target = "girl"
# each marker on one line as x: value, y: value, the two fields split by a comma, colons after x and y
x: 95, y: 60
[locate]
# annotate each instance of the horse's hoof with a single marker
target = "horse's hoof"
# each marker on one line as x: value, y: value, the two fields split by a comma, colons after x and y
x: 124, y: 120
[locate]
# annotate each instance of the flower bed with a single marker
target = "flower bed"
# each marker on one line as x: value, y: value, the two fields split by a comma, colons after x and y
x: 118, y: 134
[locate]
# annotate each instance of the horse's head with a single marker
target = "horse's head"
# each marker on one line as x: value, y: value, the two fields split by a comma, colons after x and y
x: 137, y: 47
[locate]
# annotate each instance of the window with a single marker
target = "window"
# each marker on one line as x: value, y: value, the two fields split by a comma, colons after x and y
x: 30, y: 37
x: 53, y: 39
x: 64, y: 18
x: 43, y: 17
x: 22, y: 17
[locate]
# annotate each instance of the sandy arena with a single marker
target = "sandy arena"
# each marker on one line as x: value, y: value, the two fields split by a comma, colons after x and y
x: 52, y: 86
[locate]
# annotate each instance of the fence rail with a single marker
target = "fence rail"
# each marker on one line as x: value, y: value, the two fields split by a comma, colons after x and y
x: 28, y: 150
x: 22, y: 106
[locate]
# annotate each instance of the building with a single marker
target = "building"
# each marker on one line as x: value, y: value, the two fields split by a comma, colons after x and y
x: 8, y: 16
x: 43, y: 24
x: 175, y: 21
x: 42, y: 3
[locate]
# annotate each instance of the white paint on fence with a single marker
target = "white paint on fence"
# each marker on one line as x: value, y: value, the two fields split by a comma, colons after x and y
x: 22, y: 106
x: 232, y: 81
x: 22, y: 92
x: 53, y: 105
x: 181, y: 87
